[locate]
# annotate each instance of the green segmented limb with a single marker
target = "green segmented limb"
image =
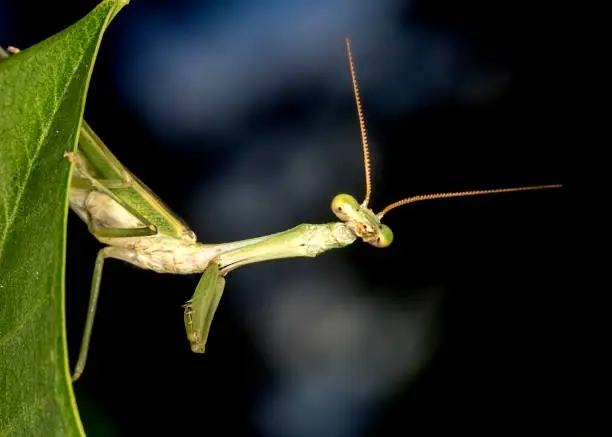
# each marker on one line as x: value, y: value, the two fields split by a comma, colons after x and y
x: 104, y: 187
x: 96, y: 280
x: 201, y: 308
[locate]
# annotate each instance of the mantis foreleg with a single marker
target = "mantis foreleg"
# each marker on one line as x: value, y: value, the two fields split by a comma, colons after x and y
x: 200, y: 309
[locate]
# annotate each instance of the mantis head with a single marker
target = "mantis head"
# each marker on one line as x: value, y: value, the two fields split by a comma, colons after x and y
x: 359, y: 218
x: 366, y: 224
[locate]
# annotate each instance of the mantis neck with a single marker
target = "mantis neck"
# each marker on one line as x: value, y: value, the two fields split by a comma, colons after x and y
x: 303, y: 240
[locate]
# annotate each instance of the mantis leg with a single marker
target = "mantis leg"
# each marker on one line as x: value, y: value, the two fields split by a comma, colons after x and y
x: 107, y: 252
x: 87, y: 181
x: 200, y: 309
x: 78, y: 182
x: 83, y: 211
x: 91, y: 313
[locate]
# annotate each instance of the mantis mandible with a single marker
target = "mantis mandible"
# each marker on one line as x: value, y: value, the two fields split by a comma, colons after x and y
x: 137, y: 227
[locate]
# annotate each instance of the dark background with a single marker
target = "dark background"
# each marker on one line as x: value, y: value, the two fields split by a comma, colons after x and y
x: 461, y: 325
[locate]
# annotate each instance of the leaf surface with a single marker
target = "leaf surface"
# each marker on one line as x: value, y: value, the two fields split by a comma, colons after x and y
x: 42, y: 97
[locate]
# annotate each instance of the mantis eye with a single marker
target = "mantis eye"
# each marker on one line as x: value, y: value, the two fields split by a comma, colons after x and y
x: 384, y: 237
x: 344, y: 206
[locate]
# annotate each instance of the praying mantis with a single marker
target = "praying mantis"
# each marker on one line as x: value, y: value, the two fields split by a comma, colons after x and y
x: 137, y: 227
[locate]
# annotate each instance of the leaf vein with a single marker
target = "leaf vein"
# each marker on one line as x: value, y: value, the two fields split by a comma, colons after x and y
x: 27, y: 413
x: 26, y: 319
x: 46, y: 128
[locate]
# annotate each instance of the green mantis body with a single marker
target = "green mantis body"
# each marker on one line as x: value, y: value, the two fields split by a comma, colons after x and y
x: 122, y: 213
x: 137, y: 227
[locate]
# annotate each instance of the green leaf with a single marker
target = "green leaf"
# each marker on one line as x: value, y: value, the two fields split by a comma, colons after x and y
x: 42, y: 97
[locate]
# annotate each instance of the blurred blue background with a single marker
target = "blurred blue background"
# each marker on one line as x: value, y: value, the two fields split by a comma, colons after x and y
x: 240, y: 115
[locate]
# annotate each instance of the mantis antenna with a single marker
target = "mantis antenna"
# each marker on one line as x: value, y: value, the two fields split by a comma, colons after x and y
x: 343, y: 203
x: 460, y: 194
x: 362, y: 126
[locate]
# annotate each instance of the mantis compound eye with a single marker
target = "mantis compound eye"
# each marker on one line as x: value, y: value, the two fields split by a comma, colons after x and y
x: 384, y: 237
x: 345, y: 206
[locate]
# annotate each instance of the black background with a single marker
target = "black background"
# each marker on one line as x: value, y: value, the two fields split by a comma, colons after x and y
x: 503, y: 329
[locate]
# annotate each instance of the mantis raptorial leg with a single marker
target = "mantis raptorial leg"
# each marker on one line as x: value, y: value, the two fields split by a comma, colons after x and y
x: 207, y: 296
